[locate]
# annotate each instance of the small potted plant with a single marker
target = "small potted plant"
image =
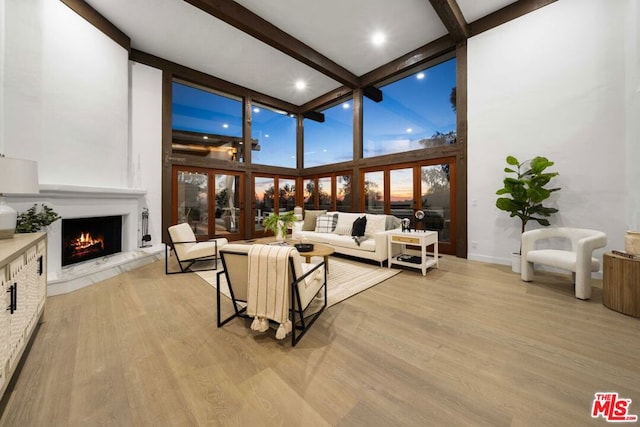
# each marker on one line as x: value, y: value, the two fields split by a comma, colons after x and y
x: 524, y: 191
x: 279, y: 223
x: 33, y: 220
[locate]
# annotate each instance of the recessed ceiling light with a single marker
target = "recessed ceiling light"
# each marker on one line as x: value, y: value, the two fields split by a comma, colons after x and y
x: 300, y: 84
x: 256, y: 110
x: 378, y: 38
x: 346, y: 105
x: 225, y: 125
x: 205, y: 137
x: 420, y: 76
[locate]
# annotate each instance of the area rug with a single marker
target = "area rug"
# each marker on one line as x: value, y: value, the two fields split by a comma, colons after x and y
x: 346, y: 278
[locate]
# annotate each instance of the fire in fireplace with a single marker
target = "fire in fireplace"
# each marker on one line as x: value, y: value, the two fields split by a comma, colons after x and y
x: 88, y: 238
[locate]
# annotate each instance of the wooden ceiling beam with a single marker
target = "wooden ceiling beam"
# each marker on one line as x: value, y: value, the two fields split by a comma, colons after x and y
x: 100, y: 22
x: 436, y: 48
x: 506, y: 14
x: 243, y: 19
x: 452, y: 18
x: 198, y: 77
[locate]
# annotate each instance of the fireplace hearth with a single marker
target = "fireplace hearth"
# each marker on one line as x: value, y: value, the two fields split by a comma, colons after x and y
x: 84, y: 239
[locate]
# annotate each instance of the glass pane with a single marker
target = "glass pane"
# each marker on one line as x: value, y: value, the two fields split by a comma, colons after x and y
x: 343, y: 188
x: 193, y: 201
x: 324, y: 193
x: 401, y: 186
x: 309, y: 194
x: 436, y: 200
x: 264, y: 196
x: 374, y: 192
x: 274, y: 137
x: 332, y: 140
x: 416, y: 112
x: 203, y: 111
x: 287, y: 199
x: 206, y: 124
x: 227, y: 202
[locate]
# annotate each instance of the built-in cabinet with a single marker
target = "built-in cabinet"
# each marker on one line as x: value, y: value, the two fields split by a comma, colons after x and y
x: 23, y: 291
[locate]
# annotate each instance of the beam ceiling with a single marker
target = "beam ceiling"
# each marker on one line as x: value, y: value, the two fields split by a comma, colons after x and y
x: 243, y: 19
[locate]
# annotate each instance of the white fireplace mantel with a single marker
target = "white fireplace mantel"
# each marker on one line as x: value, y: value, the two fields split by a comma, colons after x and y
x: 77, y: 191
x: 76, y: 201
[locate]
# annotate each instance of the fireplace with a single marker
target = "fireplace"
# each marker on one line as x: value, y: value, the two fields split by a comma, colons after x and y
x: 88, y: 238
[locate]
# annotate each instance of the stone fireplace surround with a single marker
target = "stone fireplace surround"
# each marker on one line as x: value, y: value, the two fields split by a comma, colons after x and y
x: 80, y: 202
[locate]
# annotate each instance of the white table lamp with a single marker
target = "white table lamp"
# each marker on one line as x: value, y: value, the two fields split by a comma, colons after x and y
x: 17, y: 176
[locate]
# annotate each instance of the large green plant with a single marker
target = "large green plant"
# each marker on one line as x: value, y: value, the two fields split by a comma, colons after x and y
x: 524, y: 190
x: 279, y: 223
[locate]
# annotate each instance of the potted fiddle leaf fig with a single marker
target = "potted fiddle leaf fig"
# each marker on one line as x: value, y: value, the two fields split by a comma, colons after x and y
x: 524, y: 191
x: 279, y: 223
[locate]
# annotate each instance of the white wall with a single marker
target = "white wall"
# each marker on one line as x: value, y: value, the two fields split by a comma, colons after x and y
x: 146, y: 137
x: 554, y: 83
x: 632, y: 55
x: 3, y: 27
x: 65, y: 96
x: 74, y: 103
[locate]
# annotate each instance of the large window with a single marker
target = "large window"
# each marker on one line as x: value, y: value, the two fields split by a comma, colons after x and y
x: 401, y: 195
x: 344, y: 201
x: 416, y: 112
x: 274, y: 137
x: 206, y: 123
x: 324, y: 193
x: 330, y: 141
x: 205, y: 111
x: 374, y: 192
x: 330, y: 192
x: 436, y: 199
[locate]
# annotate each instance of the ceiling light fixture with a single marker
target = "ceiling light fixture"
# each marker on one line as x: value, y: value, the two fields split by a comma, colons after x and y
x: 378, y: 38
x: 420, y: 76
x: 300, y: 85
x: 225, y: 125
x: 346, y: 106
x: 256, y: 110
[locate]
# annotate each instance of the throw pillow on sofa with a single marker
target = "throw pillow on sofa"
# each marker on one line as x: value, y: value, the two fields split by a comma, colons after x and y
x: 345, y: 222
x: 310, y: 217
x: 359, y: 226
x: 326, y: 223
x: 375, y: 224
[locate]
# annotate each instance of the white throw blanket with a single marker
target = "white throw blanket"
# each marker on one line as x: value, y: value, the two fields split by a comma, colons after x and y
x: 268, y: 287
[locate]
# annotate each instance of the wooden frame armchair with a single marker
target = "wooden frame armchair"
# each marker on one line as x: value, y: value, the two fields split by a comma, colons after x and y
x: 303, y: 288
x: 189, y: 251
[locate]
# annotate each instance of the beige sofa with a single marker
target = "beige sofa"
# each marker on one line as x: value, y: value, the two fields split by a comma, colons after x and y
x: 373, y: 246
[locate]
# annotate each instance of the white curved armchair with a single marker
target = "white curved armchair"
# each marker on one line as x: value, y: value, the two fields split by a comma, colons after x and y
x: 579, y: 259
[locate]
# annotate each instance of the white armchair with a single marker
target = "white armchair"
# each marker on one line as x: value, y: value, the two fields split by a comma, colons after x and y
x: 579, y: 259
x: 188, y: 250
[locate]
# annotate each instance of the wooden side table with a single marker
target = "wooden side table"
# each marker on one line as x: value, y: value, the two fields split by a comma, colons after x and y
x: 621, y: 284
x: 414, y: 238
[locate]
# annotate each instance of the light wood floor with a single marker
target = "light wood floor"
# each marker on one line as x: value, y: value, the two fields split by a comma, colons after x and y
x: 469, y: 344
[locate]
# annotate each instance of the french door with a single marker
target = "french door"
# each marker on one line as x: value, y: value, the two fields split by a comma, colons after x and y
x: 210, y: 201
x: 272, y: 194
x: 426, y: 188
